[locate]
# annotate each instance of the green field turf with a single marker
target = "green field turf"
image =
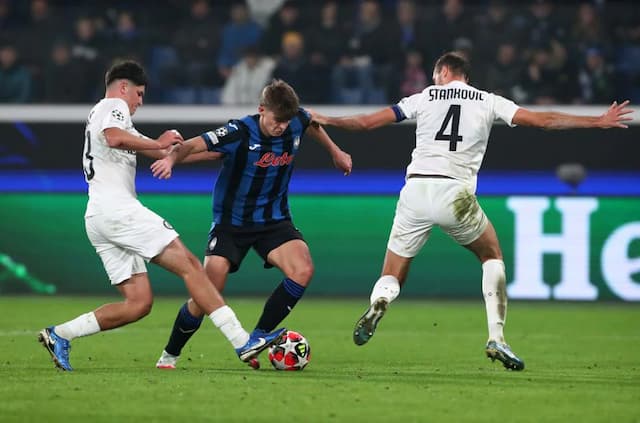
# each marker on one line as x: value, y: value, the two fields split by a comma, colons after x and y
x: 425, y: 364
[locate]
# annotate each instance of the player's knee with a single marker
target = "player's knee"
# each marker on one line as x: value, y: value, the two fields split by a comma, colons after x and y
x: 191, y: 265
x: 194, y: 262
x: 139, y: 308
x: 303, y: 273
x: 486, y: 250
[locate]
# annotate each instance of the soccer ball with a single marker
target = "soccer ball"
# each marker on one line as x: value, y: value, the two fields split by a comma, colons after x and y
x: 291, y: 353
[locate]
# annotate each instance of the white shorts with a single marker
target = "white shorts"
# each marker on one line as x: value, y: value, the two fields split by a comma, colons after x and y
x: 125, y: 239
x: 425, y: 202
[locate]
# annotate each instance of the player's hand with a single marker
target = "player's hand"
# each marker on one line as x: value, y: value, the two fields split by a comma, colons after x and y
x: 161, y: 169
x: 342, y: 161
x: 169, y: 138
x: 616, y: 116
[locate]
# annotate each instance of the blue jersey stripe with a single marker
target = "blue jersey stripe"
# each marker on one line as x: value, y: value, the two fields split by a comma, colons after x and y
x: 253, y: 200
x: 234, y: 166
x: 247, y: 175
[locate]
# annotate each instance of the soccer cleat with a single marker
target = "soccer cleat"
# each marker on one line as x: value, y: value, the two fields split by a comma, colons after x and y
x: 258, y: 342
x: 167, y: 361
x: 57, y: 347
x: 502, y: 352
x: 366, y: 325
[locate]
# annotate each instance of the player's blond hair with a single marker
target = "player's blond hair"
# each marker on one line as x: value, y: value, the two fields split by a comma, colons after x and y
x: 280, y: 98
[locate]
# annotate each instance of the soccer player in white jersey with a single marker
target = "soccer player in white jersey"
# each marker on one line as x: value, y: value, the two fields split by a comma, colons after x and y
x: 126, y: 234
x: 453, y: 124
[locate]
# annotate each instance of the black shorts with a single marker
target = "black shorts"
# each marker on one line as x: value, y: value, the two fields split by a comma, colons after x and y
x: 233, y: 242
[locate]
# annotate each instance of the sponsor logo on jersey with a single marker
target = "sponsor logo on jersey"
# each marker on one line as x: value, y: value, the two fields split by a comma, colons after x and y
x: 253, y: 147
x: 270, y: 159
x: 167, y: 225
x: 296, y: 142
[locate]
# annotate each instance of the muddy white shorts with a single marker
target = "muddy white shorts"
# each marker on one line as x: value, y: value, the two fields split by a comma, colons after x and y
x: 126, y: 239
x: 426, y: 202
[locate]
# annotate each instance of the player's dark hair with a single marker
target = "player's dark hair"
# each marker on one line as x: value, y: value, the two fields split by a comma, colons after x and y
x: 457, y: 64
x: 128, y: 69
x: 280, y: 98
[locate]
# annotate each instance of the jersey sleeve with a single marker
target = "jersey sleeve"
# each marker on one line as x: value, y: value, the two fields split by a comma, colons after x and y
x: 408, y: 106
x: 504, y: 109
x: 224, y: 139
x: 305, y: 118
x: 115, y: 115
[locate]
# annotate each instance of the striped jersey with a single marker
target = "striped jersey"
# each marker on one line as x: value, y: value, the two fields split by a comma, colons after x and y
x: 253, y: 184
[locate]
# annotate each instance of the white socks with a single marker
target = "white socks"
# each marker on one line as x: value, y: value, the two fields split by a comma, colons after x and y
x: 387, y: 287
x: 225, y: 319
x: 495, y: 297
x: 83, y: 325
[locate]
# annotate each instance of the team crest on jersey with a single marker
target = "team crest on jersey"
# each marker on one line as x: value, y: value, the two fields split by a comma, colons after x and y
x: 117, y: 115
x: 296, y: 142
x: 222, y: 131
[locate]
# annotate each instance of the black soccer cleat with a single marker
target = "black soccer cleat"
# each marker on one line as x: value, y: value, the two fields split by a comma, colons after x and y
x: 366, y: 325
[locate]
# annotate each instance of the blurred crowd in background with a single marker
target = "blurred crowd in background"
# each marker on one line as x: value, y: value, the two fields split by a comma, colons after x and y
x: 332, y: 52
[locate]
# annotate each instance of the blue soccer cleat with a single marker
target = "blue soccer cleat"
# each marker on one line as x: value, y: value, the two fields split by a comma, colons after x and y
x: 502, y: 352
x: 58, y: 348
x: 258, y: 342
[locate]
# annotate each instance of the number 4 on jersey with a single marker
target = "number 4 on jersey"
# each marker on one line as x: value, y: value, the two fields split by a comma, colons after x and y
x: 453, y: 115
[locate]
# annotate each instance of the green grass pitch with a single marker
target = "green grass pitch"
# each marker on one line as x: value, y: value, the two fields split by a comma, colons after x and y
x: 425, y: 364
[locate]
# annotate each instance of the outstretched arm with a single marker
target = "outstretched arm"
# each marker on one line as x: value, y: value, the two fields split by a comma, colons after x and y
x: 162, y: 168
x: 358, y: 122
x: 341, y: 160
x: 156, y: 154
x: 123, y: 140
x: 615, y: 117
x: 202, y: 157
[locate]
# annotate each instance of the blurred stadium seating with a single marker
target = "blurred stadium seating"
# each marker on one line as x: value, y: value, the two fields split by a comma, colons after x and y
x: 181, y: 43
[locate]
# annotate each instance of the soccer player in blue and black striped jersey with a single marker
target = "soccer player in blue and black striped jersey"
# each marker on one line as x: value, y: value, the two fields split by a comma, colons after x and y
x: 250, y: 205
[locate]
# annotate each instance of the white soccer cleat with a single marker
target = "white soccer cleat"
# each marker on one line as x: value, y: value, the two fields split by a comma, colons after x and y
x: 502, y: 352
x: 167, y: 361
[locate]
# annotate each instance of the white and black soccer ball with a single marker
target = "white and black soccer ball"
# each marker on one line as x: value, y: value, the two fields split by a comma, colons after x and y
x: 291, y: 353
